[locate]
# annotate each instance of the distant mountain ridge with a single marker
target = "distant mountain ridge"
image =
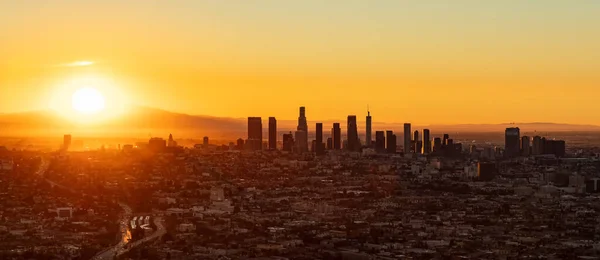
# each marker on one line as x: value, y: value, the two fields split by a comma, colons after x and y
x: 151, y: 121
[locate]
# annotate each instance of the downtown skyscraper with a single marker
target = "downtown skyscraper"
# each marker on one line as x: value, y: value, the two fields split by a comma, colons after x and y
x: 391, y: 141
x: 336, y: 134
x: 353, y: 142
x: 512, y: 142
x: 426, y: 141
x: 319, y: 145
x: 407, y: 138
x: 525, y: 145
x: 380, y: 141
x: 272, y: 133
x: 302, y: 132
x: 254, y: 141
x: 368, y: 129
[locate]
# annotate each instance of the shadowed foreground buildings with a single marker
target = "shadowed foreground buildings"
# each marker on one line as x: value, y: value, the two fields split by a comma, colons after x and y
x: 281, y: 203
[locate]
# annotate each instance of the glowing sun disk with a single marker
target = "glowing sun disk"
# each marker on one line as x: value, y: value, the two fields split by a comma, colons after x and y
x: 88, y: 101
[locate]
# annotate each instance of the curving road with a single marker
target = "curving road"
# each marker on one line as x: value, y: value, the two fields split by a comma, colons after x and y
x: 122, y: 247
x: 125, y: 235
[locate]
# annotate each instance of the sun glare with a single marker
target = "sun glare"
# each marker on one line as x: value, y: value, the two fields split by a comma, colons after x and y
x: 88, y: 101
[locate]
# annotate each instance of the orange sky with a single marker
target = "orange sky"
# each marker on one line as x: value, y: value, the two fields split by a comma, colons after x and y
x: 426, y: 63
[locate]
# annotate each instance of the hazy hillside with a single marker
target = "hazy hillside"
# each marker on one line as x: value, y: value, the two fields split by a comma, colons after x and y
x: 146, y: 122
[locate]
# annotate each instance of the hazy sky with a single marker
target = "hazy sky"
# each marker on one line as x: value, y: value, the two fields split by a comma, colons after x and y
x: 421, y: 61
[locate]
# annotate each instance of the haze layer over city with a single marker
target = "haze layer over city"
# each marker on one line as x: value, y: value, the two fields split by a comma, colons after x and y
x: 299, y: 129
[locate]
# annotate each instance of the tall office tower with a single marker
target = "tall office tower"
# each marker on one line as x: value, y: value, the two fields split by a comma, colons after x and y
x: 288, y: 142
x: 353, y: 143
x: 445, y: 140
x: 302, y: 143
x: 536, y: 148
x: 437, y: 145
x: 329, y: 143
x: 417, y: 149
x: 67, y: 142
x: 391, y: 142
x: 254, y: 134
x: 319, y: 146
x: 380, y: 141
x: 525, y: 146
x: 512, y: 142
x: 407, y: 138
x: 336, y: 132
x: 368, y: 134
x: 205, y: 141
x: 272, y: 133
x: 426, y: 142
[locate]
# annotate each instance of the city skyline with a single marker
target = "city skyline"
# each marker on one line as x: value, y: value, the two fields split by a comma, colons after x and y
x: 467, y: 63
x: 309, y: 129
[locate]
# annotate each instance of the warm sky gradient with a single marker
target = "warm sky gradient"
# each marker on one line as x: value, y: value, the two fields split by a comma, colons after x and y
x: 428, y: 62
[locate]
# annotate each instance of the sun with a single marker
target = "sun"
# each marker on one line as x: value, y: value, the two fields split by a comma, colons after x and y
x: 88, y: 100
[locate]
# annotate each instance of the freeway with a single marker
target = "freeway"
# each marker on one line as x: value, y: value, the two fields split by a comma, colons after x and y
x: 123, y: 246
x: 125, y: 235
x: 42, y: 170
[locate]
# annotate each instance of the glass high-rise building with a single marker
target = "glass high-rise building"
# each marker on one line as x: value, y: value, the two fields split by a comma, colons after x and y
x: 254, y: 141
x: 391, y: 146
x: 426, y: 141
x: 353, y: 142
x: 407, y: 138
x: 415, y: 142
x: 336, y: 132
x: 272, y: 133
x: 512, y: 142
x: 319, y: 145
x: 380, y: 141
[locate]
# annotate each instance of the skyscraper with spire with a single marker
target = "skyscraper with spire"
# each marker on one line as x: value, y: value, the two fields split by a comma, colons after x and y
x: 302, y: 132
x: 368, y: 133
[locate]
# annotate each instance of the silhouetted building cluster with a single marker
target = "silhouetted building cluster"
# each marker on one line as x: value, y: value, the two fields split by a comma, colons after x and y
x: 525, y: 146
x: 157, y: 144
x: 414, y: 142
